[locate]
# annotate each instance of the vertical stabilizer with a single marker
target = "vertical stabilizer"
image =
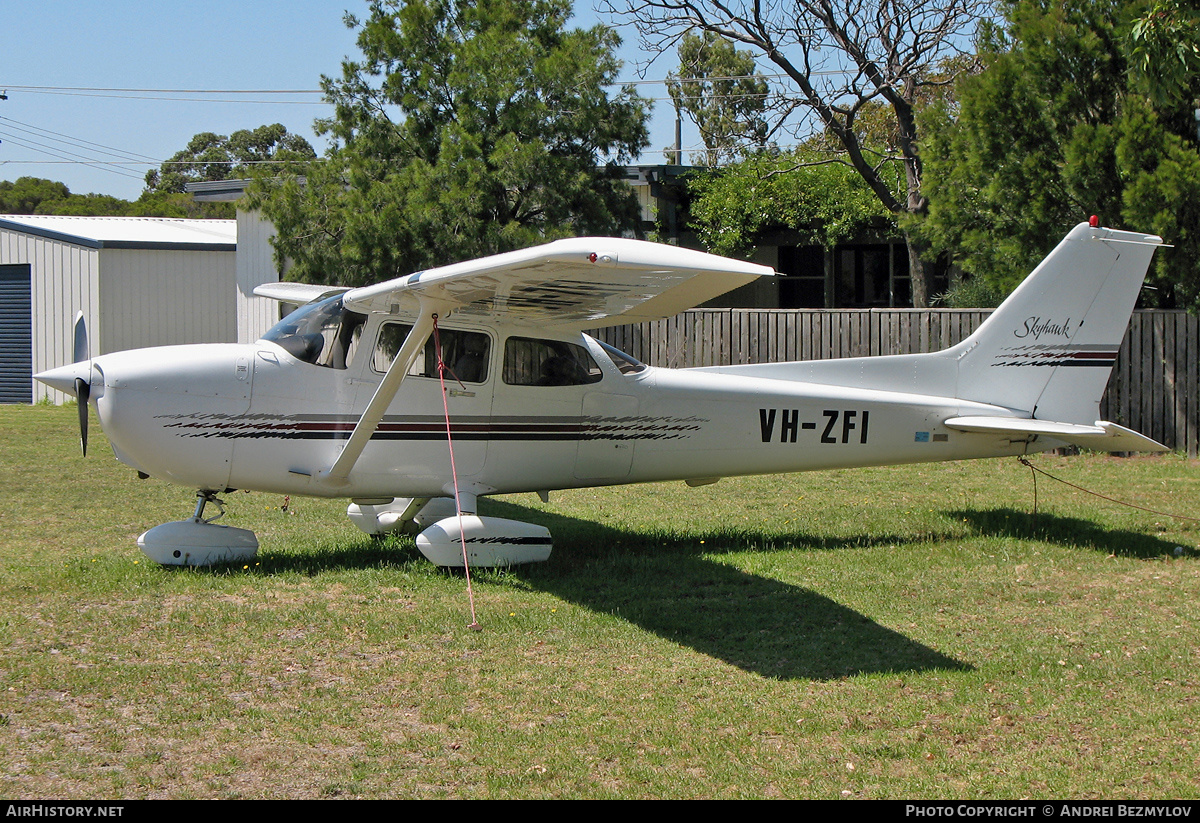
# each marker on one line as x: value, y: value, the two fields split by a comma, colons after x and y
x: 1049, y: 348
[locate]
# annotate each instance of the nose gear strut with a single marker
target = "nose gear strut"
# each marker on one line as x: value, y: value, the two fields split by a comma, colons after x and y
x: 205, y: 497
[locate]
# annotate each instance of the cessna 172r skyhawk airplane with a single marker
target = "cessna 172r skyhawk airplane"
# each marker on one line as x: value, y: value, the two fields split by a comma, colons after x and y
x: 343, y: 398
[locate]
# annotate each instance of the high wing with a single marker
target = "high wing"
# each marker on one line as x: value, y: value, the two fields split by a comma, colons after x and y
x: 573, y: 284
x: 296, y: 292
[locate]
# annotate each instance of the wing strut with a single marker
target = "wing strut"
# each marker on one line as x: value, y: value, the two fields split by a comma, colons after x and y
x: 414, y: 345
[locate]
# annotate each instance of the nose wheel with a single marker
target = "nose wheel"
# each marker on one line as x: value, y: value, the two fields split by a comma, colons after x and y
x: 199, y: 541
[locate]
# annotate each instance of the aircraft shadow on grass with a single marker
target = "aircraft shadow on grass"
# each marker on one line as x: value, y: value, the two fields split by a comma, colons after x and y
x: 758, y: 624
x: 1064, y: 531
x: 671, y: 586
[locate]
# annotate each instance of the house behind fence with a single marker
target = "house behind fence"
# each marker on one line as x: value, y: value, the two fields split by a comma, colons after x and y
x: 1153, y: 388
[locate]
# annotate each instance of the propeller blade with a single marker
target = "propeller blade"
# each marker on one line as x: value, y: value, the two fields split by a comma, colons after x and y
x: 81, y: 339
x: 83, y: 390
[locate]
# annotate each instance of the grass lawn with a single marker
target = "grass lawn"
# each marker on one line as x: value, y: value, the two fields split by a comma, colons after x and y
x: 909, y: 632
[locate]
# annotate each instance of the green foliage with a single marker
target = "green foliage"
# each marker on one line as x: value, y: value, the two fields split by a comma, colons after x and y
x: 877, y: 59
x: 969, y: 293
x: 1051, y: 132
x: 827, y: 203
x: 1162, y: 191
x: 211, y: 156
x: 179, y: 204
x: 100, y: 205
x: 717, y: 91
x: 28, y: 193
x: 1164, y: 45
x: 465, y: 129
x: 35, y: 195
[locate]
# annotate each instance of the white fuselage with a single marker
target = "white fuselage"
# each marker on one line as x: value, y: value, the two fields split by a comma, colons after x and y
x: 256, y: 417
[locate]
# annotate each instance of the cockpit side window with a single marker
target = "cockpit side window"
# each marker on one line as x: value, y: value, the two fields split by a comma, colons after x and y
x: 323, y: 333
x: 532, y: 362
x: 465, y: 352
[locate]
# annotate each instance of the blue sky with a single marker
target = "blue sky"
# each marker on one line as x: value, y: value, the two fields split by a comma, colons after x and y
x: 219, y: 44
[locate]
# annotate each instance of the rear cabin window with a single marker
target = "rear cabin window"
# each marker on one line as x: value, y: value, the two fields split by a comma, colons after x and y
x: 465, y: 353
x: 532, y: 362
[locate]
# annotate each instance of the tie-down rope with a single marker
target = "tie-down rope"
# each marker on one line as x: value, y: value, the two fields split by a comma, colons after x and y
x: 1036, y: 471
x: 441, y: 367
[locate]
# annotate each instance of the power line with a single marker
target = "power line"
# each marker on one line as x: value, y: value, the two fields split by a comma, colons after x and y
x: 66, y: 156
x: 105, y: 90
x: 169, y: 162
x: 99, y: 96
x: 133, y: 93
x: 162, y: 91
x: 77, y: 151
x: 68, y: 149
x: 67, y: 139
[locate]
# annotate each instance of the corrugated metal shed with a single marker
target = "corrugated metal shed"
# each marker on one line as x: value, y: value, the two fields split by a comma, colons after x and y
x: 140, y: 281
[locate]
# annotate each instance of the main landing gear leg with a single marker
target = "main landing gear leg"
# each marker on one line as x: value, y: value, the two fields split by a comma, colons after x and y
x: 199, y: 541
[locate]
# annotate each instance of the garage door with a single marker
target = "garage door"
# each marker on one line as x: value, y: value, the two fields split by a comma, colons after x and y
x: 16, y: 335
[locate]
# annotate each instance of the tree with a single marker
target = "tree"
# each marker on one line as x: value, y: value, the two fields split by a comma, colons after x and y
x: 98, y: 205
x: 35, y: 195
x: 1164, y: 46
x: 467, y: 127
x: 839, y: 59
x: 28, y: 193
x: 1053, y: 130
x: 210, y: 156
x: 826, y: 204
x: 718, y: 91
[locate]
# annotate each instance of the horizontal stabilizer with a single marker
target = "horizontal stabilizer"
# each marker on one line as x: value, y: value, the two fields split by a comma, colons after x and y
x: 1102, y: 436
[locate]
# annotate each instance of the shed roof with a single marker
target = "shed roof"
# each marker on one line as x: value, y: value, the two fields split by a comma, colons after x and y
x: 128, y: 232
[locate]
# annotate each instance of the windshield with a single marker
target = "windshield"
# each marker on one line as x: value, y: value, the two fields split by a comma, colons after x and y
x: 626, y: 363
x: 323, y: 333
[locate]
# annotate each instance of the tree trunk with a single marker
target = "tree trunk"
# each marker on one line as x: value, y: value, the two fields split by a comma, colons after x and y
x: 917, y: 271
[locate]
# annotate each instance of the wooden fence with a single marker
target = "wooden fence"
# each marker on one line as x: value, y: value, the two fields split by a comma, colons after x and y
x: 1153, y: 389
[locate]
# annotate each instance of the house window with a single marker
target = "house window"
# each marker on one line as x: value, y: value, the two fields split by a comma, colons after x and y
x: 871, y: 276
x: 802, y: 284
